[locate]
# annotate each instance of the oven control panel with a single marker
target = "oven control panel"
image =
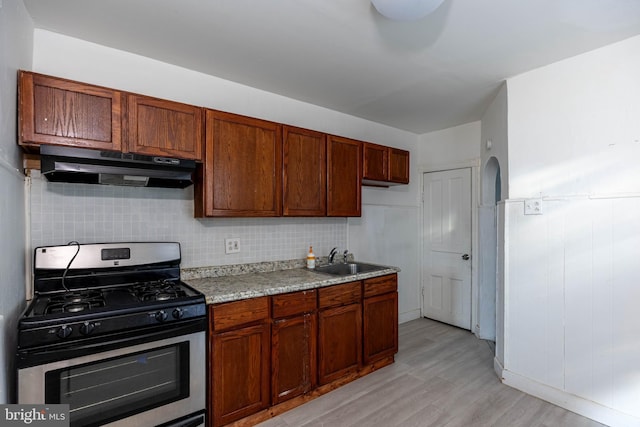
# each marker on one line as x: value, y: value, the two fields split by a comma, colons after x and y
x: 66, y: 330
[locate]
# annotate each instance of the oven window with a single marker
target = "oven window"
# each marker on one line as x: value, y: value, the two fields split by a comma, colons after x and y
x: 111, y: 389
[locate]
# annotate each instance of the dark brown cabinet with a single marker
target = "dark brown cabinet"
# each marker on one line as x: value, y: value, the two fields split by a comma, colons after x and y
x: 384, y: 166
x: 278, y: 352
x: 380, y: 318
x: 63, y: 112
x: 239, y: 359
x: 251, y: 167
x: 339, y: 331
x: 157, y: 127
x: 344, y: 176
x: 242, y: 170
x: 375, y: 162
x: 399, y: 166
x: 305, y: 172
x: 293, y: 345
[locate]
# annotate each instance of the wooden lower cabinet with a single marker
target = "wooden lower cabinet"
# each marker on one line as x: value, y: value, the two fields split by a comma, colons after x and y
x: 239, y: 370
x: 339, y: 331
x: 293, y: 345
x: 293, y: 357
x: 380, y: 318
x: 270, y: 354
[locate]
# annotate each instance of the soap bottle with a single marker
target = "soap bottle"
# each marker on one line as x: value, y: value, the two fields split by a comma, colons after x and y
x: 311, y: 258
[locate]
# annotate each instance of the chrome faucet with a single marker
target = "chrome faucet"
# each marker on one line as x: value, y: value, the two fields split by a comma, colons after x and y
x: 345, y: 254
x: 332, y: 254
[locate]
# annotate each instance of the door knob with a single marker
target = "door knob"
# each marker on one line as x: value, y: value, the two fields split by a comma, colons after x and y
x: 466, y: 257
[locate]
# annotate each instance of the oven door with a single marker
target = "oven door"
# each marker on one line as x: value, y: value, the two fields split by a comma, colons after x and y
x: 144, y: 385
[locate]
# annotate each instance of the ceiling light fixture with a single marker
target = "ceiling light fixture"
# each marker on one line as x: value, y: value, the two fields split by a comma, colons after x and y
x: 406, y: 10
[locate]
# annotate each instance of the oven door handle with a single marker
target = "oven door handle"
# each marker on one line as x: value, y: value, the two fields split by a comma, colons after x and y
x: 52, y: 353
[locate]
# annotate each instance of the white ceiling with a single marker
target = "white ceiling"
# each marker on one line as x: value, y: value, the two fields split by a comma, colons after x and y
x: 419, y: 76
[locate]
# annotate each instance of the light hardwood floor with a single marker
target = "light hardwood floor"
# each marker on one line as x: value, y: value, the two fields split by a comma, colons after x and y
x: 443, y: 376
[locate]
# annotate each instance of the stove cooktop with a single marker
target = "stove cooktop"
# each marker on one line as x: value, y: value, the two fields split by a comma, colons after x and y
x: 80, y: 314
x: 64, y: 311
x: 83, y: 301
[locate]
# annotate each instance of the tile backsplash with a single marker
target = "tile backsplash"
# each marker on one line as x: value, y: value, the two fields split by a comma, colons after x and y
x: 62, y: 212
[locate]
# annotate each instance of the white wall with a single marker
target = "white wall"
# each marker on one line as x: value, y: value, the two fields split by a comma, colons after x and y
x: 386, y: 213
x: 494, y: 149
x: 452, y: 148
x: 16, y: 31
x: 386, y: 232
x: 62, y: 212
x: 572, y: 330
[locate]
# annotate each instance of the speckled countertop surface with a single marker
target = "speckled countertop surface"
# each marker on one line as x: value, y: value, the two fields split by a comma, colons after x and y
x: 251, y: 285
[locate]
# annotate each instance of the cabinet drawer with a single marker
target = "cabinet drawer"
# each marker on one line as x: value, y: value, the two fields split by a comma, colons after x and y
x: 346, y: 293
x: 380, y: 285
x: 230, y: 314
x: 290, y: 304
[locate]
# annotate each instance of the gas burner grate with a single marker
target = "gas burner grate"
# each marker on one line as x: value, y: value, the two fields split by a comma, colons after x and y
x: 74, y: 301
x: 161, y: 290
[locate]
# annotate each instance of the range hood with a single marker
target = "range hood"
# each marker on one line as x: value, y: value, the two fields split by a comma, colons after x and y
x: 80, y: 165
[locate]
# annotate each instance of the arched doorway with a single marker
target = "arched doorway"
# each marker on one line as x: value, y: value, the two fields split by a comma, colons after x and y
x: 488, y: 249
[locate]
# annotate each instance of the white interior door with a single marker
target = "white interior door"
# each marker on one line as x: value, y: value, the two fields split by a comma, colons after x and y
x: 446, y: 288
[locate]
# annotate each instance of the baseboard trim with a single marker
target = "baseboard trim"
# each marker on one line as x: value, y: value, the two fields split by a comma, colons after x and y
x: 498, y: 368
x: 570, y: 402
x: 408, y: 316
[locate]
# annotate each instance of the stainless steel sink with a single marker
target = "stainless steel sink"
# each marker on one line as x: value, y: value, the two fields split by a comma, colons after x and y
x: 348, y: 269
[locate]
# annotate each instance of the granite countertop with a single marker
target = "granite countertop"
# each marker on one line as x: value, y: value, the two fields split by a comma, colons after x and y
x: 256, y: 284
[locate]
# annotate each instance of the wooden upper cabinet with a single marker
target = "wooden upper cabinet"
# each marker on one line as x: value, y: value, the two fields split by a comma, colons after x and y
x: 383, y: 166
x: 399, y: 166
x: 242, y: 171
x: 305, y: 172
x: 62, y: 112
x: 157, y: 127
x: 344, y: 175
x: 375, y: 164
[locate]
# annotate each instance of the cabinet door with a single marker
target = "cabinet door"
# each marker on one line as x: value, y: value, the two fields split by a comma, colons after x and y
x: 399, y: 166
x: 158, y: 127
x: 63, y: 112
x: 375, y: 163
x: 380, y: 318
x: 344, y: 158
x: 240, y: 380
x: 293, y: 356
x: 305, y: 172
x: 242, y: 173
x: 339, y: 342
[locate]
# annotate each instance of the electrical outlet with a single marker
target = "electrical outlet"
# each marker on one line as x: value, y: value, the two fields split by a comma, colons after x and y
x: 533, y: 207
x: 231, y: 246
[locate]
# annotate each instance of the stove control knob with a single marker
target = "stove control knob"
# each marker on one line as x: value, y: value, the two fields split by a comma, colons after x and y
x: 64, y: 331
x: 87, y: 327
x: 161, y: 316
x: 178, y: 313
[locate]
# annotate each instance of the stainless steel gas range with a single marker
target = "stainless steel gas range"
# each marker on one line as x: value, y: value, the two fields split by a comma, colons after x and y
x: 115, y: 334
